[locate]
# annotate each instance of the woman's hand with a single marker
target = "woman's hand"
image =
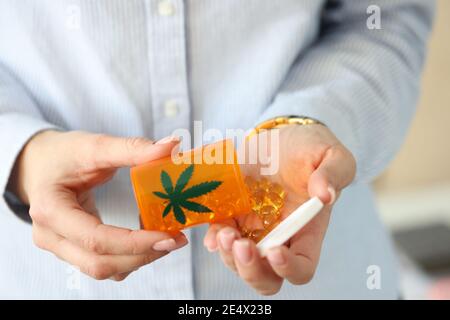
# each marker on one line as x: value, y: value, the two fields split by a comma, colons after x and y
x: 312, y: 162
x: 56, y: 173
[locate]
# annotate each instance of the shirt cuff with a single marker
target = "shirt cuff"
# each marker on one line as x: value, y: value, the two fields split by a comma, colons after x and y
x: 15, y: 131
x: 337, y: 120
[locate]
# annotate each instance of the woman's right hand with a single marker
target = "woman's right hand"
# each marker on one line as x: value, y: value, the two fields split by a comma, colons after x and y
x: 56, y: 174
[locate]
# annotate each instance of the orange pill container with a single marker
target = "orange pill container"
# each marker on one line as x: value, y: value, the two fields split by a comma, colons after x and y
x: 202, y: 185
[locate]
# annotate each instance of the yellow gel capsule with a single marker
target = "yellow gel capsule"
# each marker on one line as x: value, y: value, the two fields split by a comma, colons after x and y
x: 269, y: 220
x: 258, y: 199
x: 274, y: 199
x: 268, y: 210
x: 278, y: 189
x: 264, y: 184
x: 257, y: 235
x: 266, y: 200
x: 244, y: 231
x: 251, y: 183
x: 252, y: 221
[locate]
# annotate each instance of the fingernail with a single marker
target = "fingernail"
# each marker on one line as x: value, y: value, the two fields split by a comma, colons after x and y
x: 181, y: 243
x: 332, y: 194
x: 242, y: 251
x: 168, y: 139
x: 226, y: 238
x: 211, y: 247
x: 276, y: 257
x: 165, y: 245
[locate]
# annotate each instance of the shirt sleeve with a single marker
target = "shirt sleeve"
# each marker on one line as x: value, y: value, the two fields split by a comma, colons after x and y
x: 362, y: 82
x: 20, y: 120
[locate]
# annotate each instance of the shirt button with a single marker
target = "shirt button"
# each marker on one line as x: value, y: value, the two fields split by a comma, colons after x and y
x: 171, y: 109
x: 166, y: 8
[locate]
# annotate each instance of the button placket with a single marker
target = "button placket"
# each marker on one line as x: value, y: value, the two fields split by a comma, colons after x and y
x: 171, y: 108
x: 168, y: 71
x: 166, y: 8
x: 171, y: 111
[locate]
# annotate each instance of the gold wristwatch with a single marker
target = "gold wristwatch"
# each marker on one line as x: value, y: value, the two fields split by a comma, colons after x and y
x: 279, y: 122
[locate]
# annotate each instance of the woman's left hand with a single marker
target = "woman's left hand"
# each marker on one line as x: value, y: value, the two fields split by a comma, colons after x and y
x: 312, y: 162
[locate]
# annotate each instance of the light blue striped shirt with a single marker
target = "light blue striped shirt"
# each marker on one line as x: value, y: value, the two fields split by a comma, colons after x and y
x: 148, y: 67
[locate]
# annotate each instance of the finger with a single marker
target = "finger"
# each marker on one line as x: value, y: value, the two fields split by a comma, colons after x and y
x: 255, y: 271
x: 123, y: 276
x: 65, y: 217
x: 225, y: 238
x: 105, y: 151
x: 298, y: 263
x: 335, y: 172
x: 120, y: 276
x: 99, y: 267
x: 308, y: 241
x: 297, y: 269
x: 210, y: 239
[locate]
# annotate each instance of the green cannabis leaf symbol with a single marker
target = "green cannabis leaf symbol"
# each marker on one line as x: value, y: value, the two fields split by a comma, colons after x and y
x: 179, y: 199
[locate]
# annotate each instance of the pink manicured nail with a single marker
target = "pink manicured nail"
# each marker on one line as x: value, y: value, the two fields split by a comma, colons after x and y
x: 165, y: 245
x: 241, y: 249
x: 276, y: 257
x: 211, y: 245
x: 332, y: 194
x: 211, y: 248
x: 168, y: 139
x: 226, y: 238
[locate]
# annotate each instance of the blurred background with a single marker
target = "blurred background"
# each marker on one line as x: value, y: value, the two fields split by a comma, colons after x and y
x: 414, y: 193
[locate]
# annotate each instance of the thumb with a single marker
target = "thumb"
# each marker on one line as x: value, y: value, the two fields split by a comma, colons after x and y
x: 116, y: 152
x: 335, y: 172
